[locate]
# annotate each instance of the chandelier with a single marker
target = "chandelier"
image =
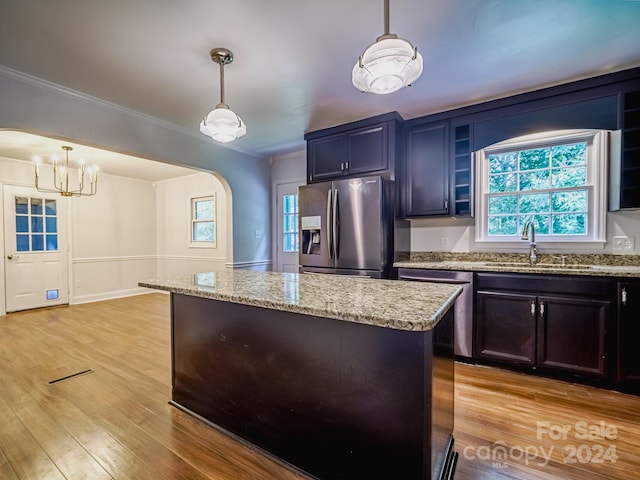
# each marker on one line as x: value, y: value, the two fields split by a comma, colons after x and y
x: 62, y: 174
x: 222, y: 124
x: 387, y: 65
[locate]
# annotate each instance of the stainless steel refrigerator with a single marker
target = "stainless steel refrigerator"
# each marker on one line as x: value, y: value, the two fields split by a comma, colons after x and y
x: 347, y: 227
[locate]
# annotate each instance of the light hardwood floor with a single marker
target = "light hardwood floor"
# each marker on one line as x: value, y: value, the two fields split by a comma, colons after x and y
x: 115, y: 422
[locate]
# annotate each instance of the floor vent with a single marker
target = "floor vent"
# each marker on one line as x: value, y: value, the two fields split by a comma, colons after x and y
x: 69, y: 377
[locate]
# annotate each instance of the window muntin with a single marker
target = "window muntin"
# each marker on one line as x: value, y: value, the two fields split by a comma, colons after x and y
x: 290, y: 223
x: 36, y: 224
x: 203, y: 221
x: 556, y: 179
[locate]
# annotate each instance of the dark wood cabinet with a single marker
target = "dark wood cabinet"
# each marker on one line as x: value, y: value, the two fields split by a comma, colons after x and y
x: 551, y: 323
x: 426, y: 171
x: 438, y: 174
x: 572, y: 334
x: 358, y: 148
x: 506, y: 328
x: 628, y: 294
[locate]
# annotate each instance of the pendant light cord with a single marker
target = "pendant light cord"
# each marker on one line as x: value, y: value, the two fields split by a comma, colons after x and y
x: 386, y: 17
x: 222, y: 84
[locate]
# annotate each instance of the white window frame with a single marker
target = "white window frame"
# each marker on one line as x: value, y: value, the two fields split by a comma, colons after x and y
x: 192, y: 221
x: 597, y: 158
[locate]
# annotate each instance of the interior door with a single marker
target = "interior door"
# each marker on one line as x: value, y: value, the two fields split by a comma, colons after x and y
x: 35, y: 245
x: 287, y: 242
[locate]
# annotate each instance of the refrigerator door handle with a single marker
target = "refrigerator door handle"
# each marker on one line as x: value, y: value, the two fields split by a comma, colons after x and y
x: 329, y: 226
x: 336, y: 224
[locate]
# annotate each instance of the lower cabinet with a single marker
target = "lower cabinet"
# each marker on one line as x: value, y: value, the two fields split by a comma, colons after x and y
x: 551, y: 323
x: 628, y: 292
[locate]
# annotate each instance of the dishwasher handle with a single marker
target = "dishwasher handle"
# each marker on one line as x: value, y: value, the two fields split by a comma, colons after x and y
x: 452, y: 281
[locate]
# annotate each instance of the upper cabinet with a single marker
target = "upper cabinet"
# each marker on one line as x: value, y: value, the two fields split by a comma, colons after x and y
x: 426, y: 172
x: 438, y: 175
x: 358, y: 148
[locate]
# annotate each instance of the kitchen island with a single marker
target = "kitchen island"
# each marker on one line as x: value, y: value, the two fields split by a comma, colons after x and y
x: 338, y: 377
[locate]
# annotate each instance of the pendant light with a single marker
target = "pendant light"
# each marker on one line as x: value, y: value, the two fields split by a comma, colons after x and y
x: 387, y: 65
x: 222, y: 124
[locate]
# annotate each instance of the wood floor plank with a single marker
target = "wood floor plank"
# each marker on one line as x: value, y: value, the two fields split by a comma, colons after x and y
x: 116, y: 422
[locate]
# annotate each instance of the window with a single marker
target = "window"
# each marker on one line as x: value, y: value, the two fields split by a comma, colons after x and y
x: 290, y: 223
x: 203, y: 221
x: 556, y: 179
x: 36, y: 224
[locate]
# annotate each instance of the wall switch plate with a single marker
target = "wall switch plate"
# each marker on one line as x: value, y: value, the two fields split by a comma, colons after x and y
x: 444, y: 242
x: 258, y: 234
x: 622, y: 244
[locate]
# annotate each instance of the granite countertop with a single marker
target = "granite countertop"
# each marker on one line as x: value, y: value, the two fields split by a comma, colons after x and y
x: 574, y: 264
x: 385, y: 303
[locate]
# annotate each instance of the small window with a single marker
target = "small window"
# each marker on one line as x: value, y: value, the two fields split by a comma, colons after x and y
x: 557, y: 180
x: 203, y: 221
x: 290, y: 223
x: 36, y: 227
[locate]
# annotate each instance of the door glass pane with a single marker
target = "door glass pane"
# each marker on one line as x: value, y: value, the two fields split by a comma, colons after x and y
x: 51, y: 224
x: 22, y: 223
x: 37, y: 242
x: 290, y: 223
x: 22, y: 243
x: 22, y: 205
x: 50, y: 207
x: 36, y: 206
x: 52, y: 242
x: 36, y: 225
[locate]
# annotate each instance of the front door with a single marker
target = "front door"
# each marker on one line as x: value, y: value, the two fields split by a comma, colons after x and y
x: 35, y: 244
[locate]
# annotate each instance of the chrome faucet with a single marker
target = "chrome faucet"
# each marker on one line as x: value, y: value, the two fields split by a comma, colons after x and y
x: 533, y: 257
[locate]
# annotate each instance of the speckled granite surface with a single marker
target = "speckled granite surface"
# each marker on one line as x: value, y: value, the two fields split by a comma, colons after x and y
x: 574, y: 264
x: 385, y: 303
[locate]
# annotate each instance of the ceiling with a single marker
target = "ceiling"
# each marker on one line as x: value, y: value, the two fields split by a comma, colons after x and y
x: 293, y: 58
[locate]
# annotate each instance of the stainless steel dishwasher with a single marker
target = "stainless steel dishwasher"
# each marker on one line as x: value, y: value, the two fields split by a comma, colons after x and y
x: 463, y: 310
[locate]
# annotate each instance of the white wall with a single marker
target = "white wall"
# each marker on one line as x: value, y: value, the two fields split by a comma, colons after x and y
x: 113, y: 241
x: 173, y: 206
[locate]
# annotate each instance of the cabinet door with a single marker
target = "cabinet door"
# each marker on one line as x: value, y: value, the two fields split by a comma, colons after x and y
x: 367, y: 150
x: 427, y: 171
x: 629, y: 333
x: 572, y: 334
x: 506, y: 327
x: 326, y: 157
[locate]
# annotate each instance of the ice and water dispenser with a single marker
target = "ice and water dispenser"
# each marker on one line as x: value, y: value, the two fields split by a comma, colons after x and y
x: 311, y: 235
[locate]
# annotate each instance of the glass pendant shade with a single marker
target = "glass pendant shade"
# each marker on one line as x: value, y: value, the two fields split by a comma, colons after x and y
x: 223, y: 125
x: 387, y: 66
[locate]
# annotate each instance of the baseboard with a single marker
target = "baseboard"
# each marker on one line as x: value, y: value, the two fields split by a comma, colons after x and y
x: 98, y: 297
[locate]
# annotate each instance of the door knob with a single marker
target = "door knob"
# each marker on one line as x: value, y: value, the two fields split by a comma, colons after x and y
x: 10, y: 257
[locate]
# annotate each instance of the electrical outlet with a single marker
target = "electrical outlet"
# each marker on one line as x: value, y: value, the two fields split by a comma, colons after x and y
x: 444, y: 242
x: 622, y: 244
x: 258, y: 234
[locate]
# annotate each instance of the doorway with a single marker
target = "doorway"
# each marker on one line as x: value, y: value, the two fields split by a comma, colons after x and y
x: 287, y: 227
x: 35, y: 245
